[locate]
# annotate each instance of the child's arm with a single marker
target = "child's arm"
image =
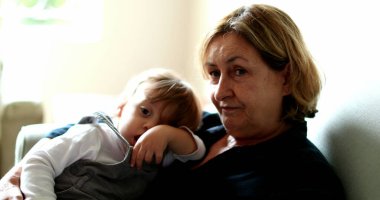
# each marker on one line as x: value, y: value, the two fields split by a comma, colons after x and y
x: 152, y: 144
x: 41, y: 166
x: 198, y: 154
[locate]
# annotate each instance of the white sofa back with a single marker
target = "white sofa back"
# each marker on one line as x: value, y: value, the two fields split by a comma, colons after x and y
x: 347, y: 130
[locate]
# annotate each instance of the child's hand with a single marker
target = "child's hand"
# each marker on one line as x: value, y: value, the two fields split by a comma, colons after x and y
x: 151, y: 145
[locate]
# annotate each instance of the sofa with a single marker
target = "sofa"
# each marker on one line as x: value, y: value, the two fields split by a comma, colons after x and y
x: 14, y: 116
x: 351, y: 144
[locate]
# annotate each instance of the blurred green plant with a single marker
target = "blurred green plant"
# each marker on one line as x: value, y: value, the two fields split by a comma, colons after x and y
x: 48, y: 3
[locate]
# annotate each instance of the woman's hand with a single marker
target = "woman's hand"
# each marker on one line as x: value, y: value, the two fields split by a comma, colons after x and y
x: 10, y: 184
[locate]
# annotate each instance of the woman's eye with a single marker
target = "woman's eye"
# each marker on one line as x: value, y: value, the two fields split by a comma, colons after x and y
x: 240, y: 72
x: 145, y: 111
x: 214, y: 74
x: 214, y: 77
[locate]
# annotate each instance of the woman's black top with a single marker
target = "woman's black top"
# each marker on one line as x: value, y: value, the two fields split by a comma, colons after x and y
x: 288, y: 166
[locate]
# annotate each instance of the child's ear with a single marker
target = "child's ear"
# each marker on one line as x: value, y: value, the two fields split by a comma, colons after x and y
x: 120, y: 108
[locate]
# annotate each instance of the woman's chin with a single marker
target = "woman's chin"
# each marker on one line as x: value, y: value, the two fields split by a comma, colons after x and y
x: 231, y: 124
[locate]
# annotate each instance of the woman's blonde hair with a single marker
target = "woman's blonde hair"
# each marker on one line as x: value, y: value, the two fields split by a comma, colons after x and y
x: 279, y: 42
x: 162, y: 85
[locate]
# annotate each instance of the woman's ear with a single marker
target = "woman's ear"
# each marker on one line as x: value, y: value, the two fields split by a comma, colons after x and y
x: 285, y: 73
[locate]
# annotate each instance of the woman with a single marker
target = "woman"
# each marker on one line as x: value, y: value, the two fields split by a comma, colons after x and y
x: 264, y: 84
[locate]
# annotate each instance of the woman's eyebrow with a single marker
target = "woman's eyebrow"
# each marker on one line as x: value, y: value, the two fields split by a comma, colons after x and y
x: 234, y: 58
x: 210, y: 64
x: 229, y: 60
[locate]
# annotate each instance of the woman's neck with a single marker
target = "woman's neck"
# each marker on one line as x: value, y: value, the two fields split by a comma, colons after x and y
x: 223, y: 144
x: 227, y: 142
x: 259, y: 138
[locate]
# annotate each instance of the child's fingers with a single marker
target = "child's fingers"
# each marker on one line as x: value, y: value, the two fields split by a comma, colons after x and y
x: 158, y: 157
x: 140, y: 158
x: 148, y: 156
x: 134, y: 156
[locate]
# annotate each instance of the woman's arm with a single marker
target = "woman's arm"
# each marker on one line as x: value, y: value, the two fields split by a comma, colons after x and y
x: 10, y: 184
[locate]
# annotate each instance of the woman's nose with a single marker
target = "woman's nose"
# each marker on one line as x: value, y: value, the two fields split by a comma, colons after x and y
x: 222, y: 90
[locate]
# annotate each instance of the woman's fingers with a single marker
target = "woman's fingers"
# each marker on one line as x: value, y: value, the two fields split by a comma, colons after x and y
x: 10, y: 185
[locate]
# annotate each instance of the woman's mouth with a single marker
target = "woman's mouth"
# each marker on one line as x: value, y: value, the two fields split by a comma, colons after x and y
x: 226, y: 110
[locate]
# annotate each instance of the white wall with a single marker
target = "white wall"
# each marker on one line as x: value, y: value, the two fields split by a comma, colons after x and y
x: 136, y: 35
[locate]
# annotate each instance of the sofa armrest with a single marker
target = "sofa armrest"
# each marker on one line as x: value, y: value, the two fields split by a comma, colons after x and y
x: 29, y: 135
x: 14, y: 115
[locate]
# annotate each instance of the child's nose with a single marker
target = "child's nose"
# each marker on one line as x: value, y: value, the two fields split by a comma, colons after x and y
x: 149, y: 124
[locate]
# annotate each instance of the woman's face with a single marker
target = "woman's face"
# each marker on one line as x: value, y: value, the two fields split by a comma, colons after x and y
x: 246, y: 92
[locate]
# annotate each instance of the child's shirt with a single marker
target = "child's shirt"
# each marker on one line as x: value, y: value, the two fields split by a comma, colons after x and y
x: 95, y: 142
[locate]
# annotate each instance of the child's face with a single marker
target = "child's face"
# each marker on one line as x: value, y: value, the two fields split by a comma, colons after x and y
x: 138, y: 115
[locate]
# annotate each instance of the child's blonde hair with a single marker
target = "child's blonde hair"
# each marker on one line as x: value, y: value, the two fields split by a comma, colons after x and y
x: 164, y: 85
